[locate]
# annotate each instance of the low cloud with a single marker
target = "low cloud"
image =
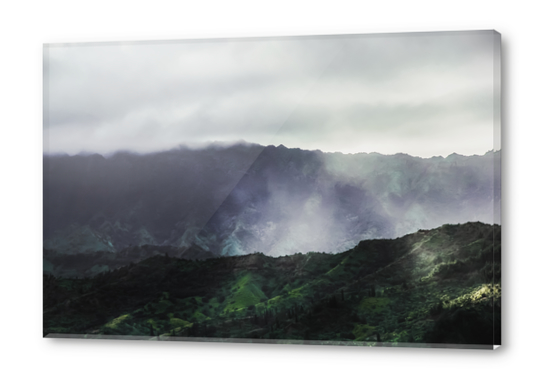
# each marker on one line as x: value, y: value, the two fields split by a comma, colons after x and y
x: 411, y: 93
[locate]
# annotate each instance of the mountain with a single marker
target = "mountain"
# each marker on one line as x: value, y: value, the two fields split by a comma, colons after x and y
x: 249, y: 198
x: 439, y: 286
x: 93, y: 203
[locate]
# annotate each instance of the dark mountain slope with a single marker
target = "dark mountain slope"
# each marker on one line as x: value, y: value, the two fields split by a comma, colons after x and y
x: 247, y: 198
x: 94, y: 203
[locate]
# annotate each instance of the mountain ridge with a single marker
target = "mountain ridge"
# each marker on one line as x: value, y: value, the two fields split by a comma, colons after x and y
x: 217, y: 145
x: 246, y: 197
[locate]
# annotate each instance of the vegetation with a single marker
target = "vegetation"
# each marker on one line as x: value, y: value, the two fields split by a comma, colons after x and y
x: 437, y: 286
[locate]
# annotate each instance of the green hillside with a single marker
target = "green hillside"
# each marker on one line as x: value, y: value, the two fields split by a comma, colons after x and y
x: 439, y: 286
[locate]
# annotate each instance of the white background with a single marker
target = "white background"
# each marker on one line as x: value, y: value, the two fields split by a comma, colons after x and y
x: 25, y: 26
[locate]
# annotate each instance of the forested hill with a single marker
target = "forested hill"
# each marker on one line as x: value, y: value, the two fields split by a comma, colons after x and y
x: 432, y: 286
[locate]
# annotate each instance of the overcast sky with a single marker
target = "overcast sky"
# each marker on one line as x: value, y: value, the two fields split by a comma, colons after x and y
x: 423, y: 94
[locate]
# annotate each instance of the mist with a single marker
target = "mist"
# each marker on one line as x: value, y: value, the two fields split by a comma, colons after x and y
x: 246, y: 198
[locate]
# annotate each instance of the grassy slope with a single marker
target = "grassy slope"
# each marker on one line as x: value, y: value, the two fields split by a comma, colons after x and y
x: 431, y: 286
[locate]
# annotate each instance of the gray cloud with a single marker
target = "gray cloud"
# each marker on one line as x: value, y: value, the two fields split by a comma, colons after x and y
x: 413, y: 93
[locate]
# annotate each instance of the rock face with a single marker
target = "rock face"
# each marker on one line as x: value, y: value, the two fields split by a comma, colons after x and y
x: 246, y: 198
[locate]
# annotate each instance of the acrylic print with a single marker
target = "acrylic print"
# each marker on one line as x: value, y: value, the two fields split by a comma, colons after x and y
x: 340, y: 190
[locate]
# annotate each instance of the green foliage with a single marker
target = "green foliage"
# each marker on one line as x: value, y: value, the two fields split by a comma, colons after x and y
x: 114, y: 324
x: 246, y: 292
x: 485, y: 292
x: 363, y: 331
x: 179, y: 323
x: 373, y: 304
